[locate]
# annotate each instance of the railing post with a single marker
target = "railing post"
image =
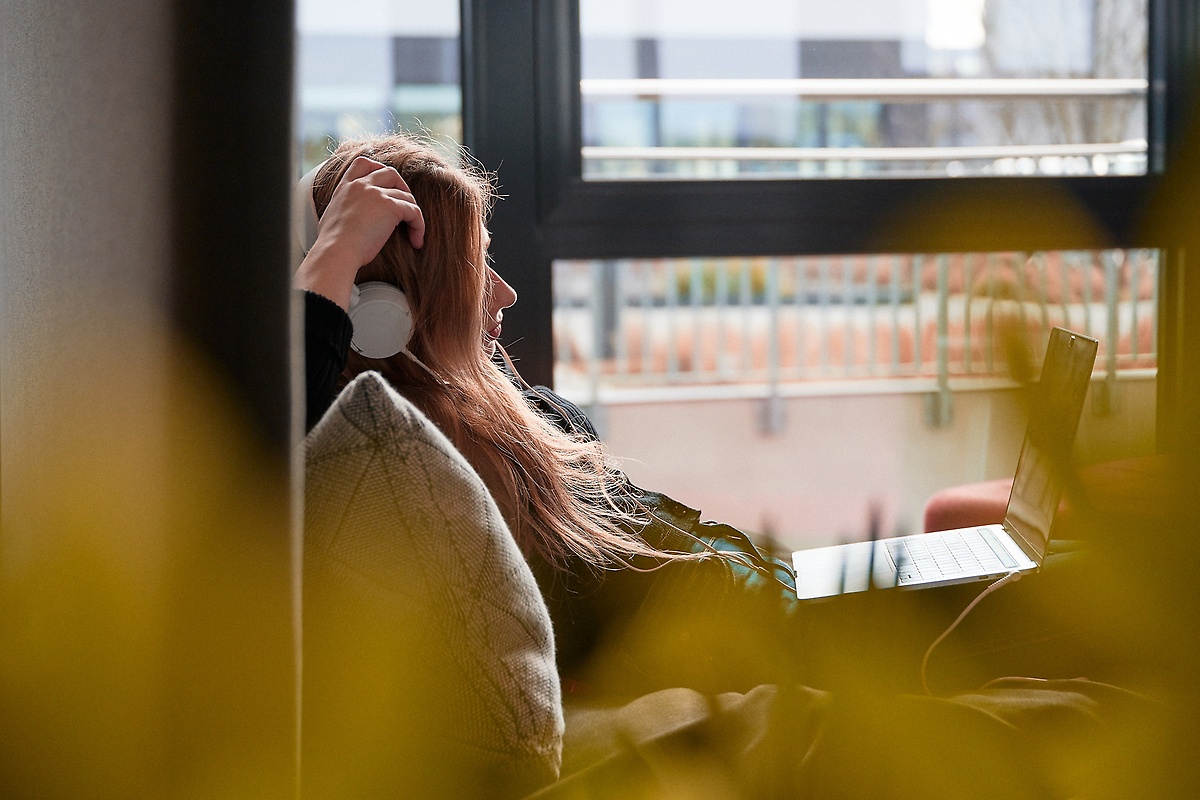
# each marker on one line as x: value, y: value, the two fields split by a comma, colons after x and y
x: 745, y: 299
x: 1088, y: 267
x: 1038, y: 260
x: 848, y: 366
x: 1137, y: 260
x: 990, y: 327
x: 603, y: 317
x: 916, y: 281
x: 608, y: 312
x: 871, y: 303
x: 773, y: 421
x: 671, y: 267
x: 721, y: 314
x: 646, y: 304
x: 1157, y: 275
x: 696, y: 292
x: 939, y: 405
x: 894, y: 299
x: 824, y: 295
x: 1104, y: 398
x: 800, y: 304
x: 968, y: 276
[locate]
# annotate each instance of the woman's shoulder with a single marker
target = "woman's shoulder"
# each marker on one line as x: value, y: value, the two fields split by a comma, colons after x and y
x: 561, y: 412
x: 558, y: 410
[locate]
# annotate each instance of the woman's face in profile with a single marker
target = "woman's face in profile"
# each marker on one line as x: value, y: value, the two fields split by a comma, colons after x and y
x: 498, y: 296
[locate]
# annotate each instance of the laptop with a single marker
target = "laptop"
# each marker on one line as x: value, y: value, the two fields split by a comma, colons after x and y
x: 983, y: 552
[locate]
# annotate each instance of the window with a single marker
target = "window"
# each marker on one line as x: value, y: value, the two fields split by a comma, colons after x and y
x: 369, y: 67
x: 630, y: 231
x: 677, y: 89
x: 792, y: 393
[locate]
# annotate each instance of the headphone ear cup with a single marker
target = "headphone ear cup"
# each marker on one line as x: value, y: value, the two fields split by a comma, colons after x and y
x: 382, y: 320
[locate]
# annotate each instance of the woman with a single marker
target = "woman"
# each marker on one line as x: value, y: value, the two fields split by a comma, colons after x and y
x: 613, y: 561
x: 642, y: 594
x: 637, y: 597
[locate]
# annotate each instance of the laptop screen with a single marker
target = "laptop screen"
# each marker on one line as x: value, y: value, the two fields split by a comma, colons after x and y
x: 1046, y: 453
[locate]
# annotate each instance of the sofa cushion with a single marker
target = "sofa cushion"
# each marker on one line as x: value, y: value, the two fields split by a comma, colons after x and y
x: 968, y: 505
x: 428, y: 653
x: 1137, y: 487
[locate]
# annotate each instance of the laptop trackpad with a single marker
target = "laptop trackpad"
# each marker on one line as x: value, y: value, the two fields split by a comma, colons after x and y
x: 828, y: 571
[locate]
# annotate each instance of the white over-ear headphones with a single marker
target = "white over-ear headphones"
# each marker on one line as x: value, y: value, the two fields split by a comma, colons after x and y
x: 379, y: 311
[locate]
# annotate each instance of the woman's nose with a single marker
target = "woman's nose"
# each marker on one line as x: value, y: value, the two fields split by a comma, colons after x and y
x: 501, y: 294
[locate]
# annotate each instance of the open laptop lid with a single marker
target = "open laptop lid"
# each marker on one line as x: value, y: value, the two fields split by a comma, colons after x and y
x: 1046, y: 451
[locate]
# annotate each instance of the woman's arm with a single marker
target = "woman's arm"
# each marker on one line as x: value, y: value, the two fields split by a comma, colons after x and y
x: 369, y: 203
x: 327, y: 333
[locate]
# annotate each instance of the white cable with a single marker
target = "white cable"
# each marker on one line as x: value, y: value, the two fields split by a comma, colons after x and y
x: 1009, y: 578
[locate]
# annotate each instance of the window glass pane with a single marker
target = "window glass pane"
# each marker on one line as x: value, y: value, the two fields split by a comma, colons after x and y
x: 791, y: 393
x: 862, y: 88
x: 371, y: 66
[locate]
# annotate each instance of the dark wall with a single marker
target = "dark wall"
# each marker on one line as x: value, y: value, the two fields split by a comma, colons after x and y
x: 146, y: 614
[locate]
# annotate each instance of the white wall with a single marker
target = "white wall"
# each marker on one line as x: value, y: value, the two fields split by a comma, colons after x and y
x: 814, y: 482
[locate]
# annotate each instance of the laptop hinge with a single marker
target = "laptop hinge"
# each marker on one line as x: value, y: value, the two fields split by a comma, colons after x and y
x: 1028, y: 549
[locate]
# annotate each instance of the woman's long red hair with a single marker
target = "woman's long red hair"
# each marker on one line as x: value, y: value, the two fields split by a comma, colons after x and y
x: 556, y: 491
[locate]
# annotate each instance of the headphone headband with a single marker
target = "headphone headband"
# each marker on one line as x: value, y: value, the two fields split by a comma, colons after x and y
x: 304, y: 210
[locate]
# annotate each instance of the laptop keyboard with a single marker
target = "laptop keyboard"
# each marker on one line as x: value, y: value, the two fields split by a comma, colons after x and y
x: 971, y: 551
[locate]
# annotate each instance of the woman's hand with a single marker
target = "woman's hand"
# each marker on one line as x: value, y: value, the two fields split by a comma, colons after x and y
x: 367, y: 205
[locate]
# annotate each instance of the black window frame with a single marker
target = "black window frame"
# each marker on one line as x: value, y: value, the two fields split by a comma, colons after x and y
x: 521, y: 112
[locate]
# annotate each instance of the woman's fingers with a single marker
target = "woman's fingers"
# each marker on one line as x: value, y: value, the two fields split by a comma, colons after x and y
x: 408, y: 212
x: 361, y: 167
x: 404, y: 204
x: 365, y: 210
x: 385, y: 177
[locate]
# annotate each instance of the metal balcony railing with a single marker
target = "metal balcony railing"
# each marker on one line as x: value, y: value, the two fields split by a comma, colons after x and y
x: 965, y: 153
x: 891, y: 90
x: 770, y: 327
x: 661, y: 160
